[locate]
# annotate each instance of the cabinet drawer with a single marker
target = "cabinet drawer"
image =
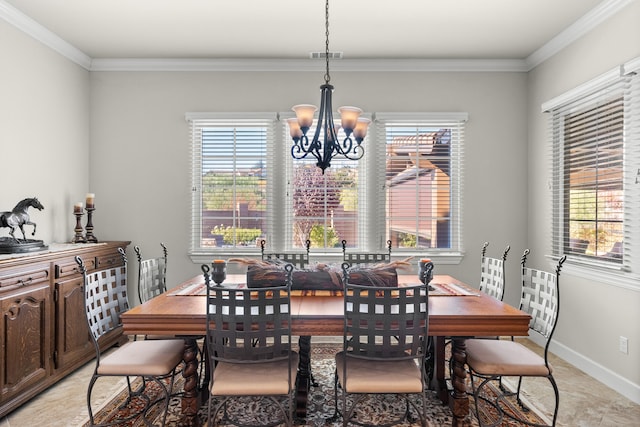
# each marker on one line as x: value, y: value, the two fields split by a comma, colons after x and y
x: 108, y: 261
x: 28, y: 276
x: 69, y: 267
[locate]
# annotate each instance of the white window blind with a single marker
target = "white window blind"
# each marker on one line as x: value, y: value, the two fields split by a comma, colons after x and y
x: 594, y: 134
x: 324, y: 208
x: 423, y: 180
x: 246, y: 187
x: 230, y: 176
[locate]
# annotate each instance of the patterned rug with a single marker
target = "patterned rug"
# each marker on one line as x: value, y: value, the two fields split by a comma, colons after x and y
x: 320, y: 406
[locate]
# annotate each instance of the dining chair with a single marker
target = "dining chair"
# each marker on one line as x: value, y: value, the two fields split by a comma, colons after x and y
x: 250, y: 353
x: 492, y: 283
x: 384, y: 349
x: 298, y: 259
x: 355, y: 258
x: 152, y: 360
x: 152, y: 274
x: 152, y: 281
x: 492, y: 274
x: 490, y: 360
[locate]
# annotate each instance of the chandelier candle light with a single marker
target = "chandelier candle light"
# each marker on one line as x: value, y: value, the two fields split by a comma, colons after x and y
x: 325, y: 145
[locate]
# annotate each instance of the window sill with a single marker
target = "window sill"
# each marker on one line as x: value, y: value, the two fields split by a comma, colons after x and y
x: 609, y: 275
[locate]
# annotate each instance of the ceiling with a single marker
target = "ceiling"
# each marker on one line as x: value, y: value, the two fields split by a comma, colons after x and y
x: 292, y: 29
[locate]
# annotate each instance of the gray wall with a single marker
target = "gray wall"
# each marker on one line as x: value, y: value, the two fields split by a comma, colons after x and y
x: 140, y: 149
x: 593, y: 314
x: 44, y: 133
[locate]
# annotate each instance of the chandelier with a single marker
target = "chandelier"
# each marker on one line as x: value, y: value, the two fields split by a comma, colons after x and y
x: 324, y: 145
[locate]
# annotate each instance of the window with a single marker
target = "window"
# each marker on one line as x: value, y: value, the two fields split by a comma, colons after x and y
x: 230, y: 180
x: 592, y: 178
x: 423, y: 175
x: 323, y: 207
x: 406, y: 188
x: 594, y: 139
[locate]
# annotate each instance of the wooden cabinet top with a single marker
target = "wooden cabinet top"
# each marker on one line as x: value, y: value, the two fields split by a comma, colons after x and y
x: 59, y: 250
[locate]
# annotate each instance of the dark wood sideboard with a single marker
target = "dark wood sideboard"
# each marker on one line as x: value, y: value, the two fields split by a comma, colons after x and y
x: 43, y: 328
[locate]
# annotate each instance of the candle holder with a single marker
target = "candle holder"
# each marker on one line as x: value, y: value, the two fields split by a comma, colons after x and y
x: 426, y: 271
x: 218, y: 271
x: 90, y: 238
x: 78, y: 238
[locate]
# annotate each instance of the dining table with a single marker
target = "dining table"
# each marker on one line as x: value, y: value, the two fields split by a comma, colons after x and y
x: 456, y: 311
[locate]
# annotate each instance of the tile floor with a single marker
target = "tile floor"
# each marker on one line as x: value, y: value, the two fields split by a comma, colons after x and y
x: 584, y: 402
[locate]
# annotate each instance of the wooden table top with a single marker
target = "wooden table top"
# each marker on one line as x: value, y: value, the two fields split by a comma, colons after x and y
x: 469, y: 315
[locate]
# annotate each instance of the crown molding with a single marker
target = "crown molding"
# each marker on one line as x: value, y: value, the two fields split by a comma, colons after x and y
x: 297, y: 65
x: 30, y: 27
x: 589, y: 21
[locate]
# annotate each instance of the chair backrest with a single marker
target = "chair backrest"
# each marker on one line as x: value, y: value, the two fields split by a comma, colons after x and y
x: 492, y: 276
x: 152, y: 275
x: 541, y: 298
x: 105, y: 294
x: 248, y: 324
x: 365, y: 257
x: 385, y: 322
x: 298, y: 259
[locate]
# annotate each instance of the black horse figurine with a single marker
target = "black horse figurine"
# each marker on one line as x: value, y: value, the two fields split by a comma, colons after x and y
x: 18, y: 217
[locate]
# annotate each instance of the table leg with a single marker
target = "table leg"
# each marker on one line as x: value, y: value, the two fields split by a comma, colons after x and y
x: 439, y: 382
x: 190, y: 400
x: 303, y: 379
x: 459, y: 403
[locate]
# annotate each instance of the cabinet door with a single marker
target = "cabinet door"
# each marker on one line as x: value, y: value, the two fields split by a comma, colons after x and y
x: 25, y: 339
x: 72, y: 341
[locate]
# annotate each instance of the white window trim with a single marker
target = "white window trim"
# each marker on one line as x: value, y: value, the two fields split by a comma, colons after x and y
x: 440, y: 256
x: 607, y: 273
x: 200, y: 255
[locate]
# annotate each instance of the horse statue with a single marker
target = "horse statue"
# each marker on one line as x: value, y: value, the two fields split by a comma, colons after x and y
x: 18, y: 217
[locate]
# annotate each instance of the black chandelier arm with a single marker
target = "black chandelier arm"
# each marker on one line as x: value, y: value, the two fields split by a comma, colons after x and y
x: 349, y: 150
x: 302, y: 148
x: 299, y: 148
x: 325, y: 114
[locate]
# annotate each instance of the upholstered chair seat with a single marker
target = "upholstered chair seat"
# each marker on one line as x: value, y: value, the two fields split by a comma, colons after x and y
x: 370, y: 376
x: 268, y: 378
x: 147, y: 358
x: 506, y: 358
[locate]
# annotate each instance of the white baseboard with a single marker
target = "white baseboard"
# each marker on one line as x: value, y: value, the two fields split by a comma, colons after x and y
x: 606, y: 376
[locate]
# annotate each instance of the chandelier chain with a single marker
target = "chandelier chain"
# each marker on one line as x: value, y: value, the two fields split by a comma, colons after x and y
x: 324, y: 144
x: 327, y: 77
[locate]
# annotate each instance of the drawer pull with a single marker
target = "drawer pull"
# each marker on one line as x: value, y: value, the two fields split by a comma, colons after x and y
x: 25, y: 282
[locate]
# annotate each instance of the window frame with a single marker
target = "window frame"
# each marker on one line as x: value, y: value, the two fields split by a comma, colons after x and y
x: 625, y: 82
x: 198, y: 121
x: 451, y: 120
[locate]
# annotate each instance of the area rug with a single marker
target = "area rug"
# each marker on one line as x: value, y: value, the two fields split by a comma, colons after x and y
x: 320, y: 406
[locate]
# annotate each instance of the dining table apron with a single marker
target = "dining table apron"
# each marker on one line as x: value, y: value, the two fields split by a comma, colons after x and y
x: 321, y: 314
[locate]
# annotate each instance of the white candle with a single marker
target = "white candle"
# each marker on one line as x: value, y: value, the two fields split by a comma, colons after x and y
x: 90, y: 200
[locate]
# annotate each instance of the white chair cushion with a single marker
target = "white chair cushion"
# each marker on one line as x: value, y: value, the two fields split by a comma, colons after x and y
x: 373, y: 376
x: 148, y: 357
x: 259, y: 379
x: 504, y: 358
